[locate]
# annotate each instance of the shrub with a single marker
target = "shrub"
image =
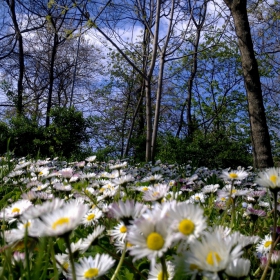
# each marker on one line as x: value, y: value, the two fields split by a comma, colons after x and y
x: 213, y: 150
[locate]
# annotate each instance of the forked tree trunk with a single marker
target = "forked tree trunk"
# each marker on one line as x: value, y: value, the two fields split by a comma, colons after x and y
x: 259, y: 130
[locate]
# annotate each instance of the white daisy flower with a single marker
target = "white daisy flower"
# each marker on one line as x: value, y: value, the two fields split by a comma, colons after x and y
x: 275, y: 257
x: 141, y: 188
x: 127, y: 210
x: 188, y: 221
x: 40, y: 187
x: 123, y: 180
x: 119, y: 232
x: 156, y: 193
x: 27, y: 227
x: 62, y: 263
x: 234, y: 175
x: 83, y: 244
x: 90, y: 159
x: 269, y: 178
x: 153, y: 178
x: 18, y: 257
x: 38, y: 210
x: 66, y: 173
x: 87, y: 176
x: 213, y: 253
x: 228, y: 191
x: 62, y: 187
x: 150, y: 238
x: 16, y: 173
x: 92, y: 217
x: 264, y: 245
x: 238, y: 268
x: 31, y: 195
x: 91, y: 268
x: 22, y: 165
x: 210, y: 188
x: 92, y: 236
x: 243, y: 240
x: 118, y: 166
x: 197, y: 198
x: 62, y: 220
x: 15, y: 210
x: 156, y: 272
x: 119, y: 245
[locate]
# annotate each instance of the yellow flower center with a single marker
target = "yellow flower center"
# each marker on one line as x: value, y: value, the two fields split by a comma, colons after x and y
x: 155, y: 193
x: 233, y: 175
x: 233, y: 191
x: 15, y: 210
x: 41, y: 173
x: 267, y: 244
x: 65, y: 265
x: 197, y: 198
x: 90, y: 273
x: 223, y: 199
x: 193, y: 267
x: 144, y: 189
x: 155, y: 241
x: 26, y: 225
x: 213, y: 258
x: 90, y: 217
x: 19, y: 246
x: 273, y: 179
x: 160, y: 276
x: 128, y: 245
x: 123, y: 229
x: 60, y: 222
x: 186, y: 226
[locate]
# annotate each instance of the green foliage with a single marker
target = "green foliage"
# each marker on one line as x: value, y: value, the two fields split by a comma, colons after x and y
x: 4, y: 136
x: 65, y: 136
x: 105, y: 154
x: 139, y: 147
x: 24, y: 135
x: 67, y: 131
x: 213, y: 150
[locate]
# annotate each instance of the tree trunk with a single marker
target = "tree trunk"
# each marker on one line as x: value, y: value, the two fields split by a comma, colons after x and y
x: 259, y: 130
x: 51, y: 78
x: 19, y: 105
x: 139, y: 91
x: 188, y: 102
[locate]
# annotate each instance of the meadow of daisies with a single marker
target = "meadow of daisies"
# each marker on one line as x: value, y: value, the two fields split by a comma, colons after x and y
x: 114, y: 220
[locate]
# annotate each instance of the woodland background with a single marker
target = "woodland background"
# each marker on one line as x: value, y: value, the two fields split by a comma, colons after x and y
x: 143, y: 79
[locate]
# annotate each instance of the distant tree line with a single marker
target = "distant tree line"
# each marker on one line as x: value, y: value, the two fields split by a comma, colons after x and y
x: 142, y: 79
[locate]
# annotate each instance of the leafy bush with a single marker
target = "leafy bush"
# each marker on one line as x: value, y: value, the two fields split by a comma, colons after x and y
x: 4, y: 136
x: 65, y: 137
x: 67, y: 132
x: 213, y: 150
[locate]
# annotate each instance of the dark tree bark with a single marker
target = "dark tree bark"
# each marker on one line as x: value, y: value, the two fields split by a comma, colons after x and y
x: 259, y: 130
x: 19, y: 105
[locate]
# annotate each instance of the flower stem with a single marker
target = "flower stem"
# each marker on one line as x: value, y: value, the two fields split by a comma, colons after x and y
x: 274, y: 241
x: 274, y: 216
x: 27, y: 254
x: 232, y: 222
x: 71, y: 257
x: 164, y: 268
x: 120, y: 262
